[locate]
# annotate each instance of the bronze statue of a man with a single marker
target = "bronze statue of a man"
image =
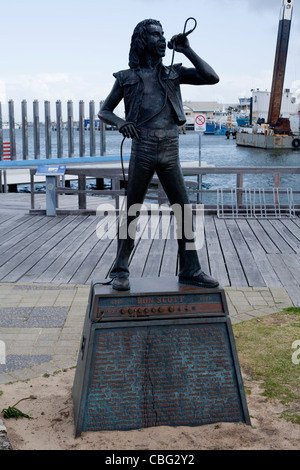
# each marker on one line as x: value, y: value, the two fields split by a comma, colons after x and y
x: 153, y: 112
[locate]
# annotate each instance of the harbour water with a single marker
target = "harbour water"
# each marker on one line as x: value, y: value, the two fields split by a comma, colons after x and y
x: 216, y: 150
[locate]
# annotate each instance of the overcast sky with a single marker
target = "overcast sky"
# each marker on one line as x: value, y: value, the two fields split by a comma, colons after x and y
x: 68, y: 49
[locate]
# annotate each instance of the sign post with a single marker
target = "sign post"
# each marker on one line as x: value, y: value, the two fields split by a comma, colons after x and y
x: 51, y: 173
x: 200, y: 123
x: 200, y: 126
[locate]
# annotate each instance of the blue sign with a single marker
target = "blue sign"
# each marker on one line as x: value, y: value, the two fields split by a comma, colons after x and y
x: 46, y: 170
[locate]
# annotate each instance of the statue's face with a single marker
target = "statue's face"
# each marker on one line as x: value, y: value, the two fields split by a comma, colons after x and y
x: 155, y: 41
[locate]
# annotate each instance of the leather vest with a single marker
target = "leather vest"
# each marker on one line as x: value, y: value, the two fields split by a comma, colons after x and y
x: 131, y: 82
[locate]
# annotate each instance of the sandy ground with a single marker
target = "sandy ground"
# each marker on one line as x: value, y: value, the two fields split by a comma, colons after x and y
x: 52, y: 426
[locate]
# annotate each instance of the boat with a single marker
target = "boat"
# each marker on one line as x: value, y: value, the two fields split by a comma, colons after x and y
x: 276, y: 133
x: 242, y: 120
x: 210, y: 127
x: 217, y: 128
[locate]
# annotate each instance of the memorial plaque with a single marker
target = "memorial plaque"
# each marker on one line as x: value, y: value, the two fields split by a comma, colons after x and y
x: 162, y: 354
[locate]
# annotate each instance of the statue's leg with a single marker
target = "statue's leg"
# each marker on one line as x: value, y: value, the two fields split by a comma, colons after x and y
x: 140, y: 173
x: 170, y: 174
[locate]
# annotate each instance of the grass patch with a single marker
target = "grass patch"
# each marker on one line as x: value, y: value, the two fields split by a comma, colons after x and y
x: 265, y: 352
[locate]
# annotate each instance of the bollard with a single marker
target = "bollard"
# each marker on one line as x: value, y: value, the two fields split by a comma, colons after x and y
x: 70, y: 129
x: 81, y: 129
x: 24, y: 130
x: 59, y: 130
x: 92, y: 129
x: 102, y: 136
x: 12, y: 136
x: 48, y: 130
x: 36, y: 129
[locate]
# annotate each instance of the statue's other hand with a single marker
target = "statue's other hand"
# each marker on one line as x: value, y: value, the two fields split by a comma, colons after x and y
x: 129, y: 130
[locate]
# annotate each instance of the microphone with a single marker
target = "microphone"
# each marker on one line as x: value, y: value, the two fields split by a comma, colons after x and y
x: 181, y: 37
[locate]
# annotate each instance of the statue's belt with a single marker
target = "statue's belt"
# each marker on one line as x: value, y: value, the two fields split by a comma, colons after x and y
x: 159, y: 133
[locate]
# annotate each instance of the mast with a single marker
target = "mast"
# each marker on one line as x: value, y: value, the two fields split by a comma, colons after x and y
x: 280, y: 61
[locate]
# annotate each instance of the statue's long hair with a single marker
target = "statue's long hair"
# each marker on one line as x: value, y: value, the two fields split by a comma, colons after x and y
x: 138, y: 42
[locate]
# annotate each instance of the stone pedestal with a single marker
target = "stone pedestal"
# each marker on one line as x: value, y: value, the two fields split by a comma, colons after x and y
x: 161, y: 354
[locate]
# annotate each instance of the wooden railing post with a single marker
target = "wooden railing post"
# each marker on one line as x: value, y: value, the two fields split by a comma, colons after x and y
x: 32, y: 173
x: 239, y: 185
x: 82, y: 196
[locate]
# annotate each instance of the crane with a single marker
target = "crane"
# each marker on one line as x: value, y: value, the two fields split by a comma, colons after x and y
x: 280, y: 125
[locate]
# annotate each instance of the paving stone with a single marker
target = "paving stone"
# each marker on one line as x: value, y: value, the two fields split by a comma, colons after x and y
x: 33, y: 317
x: 21, y: 361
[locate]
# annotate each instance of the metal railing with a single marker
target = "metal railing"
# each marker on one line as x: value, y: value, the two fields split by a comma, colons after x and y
x: 244, y: 199
x: 257, y: 203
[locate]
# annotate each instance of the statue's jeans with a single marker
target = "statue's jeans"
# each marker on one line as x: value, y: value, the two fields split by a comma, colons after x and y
x: 151, y: 154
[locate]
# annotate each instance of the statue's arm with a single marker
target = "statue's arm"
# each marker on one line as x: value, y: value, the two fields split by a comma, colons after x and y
x: 106, y: 113
x: 109, y: 117
x: 202, y: 73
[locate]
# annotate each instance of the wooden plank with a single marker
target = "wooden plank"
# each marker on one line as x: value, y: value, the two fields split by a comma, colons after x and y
x: 296, y: 220
x: 142, y: 232
x: 30, y: 228
x: 143, y: 228
x: 15, y: 254
x: 139, y: 259
x: 11, y: 224
x: 62, y: 256
x: 263, y: 237
x: 215, y: 255
x: 11, y: 214
x: 74, y: 263
x: 235, y: 272
x: 276, y: 237
x: 287, y: 279
x: 282, y: 227
x: 292, y: 226
x: 4, y: 217
x: 293, y: 264
x: 24, y: 261
x: 152, y: 266
x: 153, y: 263
x: 83, y: 274
x: 248, y: 263
x: 203, y: 258
x: 169, y: 260
x: 259, y: 255
x: 104, y: 265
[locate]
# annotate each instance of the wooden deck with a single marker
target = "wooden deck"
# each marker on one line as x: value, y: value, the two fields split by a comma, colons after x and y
x: 66, y: 249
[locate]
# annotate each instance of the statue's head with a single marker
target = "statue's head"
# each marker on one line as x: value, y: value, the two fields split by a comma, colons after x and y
x: 138, y: 42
